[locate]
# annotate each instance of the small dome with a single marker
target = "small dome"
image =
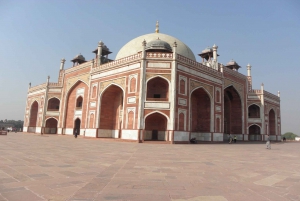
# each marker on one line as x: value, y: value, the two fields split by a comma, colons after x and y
x: 79, y: 57
x: 232, y: 63
x: 206, y: 50
x: 158, y: 45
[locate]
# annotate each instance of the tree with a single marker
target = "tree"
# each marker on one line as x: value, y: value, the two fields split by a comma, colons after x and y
x: 290, y: 136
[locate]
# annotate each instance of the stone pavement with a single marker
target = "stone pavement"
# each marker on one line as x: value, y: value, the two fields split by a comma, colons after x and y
x: 54, y: 167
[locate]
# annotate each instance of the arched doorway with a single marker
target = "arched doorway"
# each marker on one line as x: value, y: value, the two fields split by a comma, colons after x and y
x: 53, y: 104
x: 156, y: 127
x: 200, y: 111
x: 253, y: 111
x: 33, y: 117
x: 233, y: 123
x: 254, y: 133
x: 76, y: 106
x: 157, y: 89
x: 111, y: 112
x: 77, y: 126
x: 51, y: 126
x: 272, y: 125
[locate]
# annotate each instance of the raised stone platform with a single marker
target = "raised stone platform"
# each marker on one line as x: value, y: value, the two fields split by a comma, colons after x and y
x: 36, y: 167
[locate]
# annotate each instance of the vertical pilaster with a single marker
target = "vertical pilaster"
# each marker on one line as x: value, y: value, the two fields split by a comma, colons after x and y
x: 262, y: 110
x: 45, y: 105
x: 29, y: 86
x: 172, y: 99
x: 142, y: 88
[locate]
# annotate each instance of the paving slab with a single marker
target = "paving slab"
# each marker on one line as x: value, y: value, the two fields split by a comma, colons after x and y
x: 60, y: 167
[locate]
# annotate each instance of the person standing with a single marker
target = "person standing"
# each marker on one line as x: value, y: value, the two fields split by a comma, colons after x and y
x: 268, y: 144
x: 230, y: 138
x: 75, y: 132
x: 234, y: 139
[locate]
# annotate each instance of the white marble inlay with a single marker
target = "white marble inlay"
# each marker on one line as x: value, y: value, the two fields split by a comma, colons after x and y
x: 93, y: 104
x: 80, y: 91
x: 158, y: 65
x: 54, y: 90
x: 218, y: 108
x: 182, y: 101
x: 131, y: 100
x: 158, y: 105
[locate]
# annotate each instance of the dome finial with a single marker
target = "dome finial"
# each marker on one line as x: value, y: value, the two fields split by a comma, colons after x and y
x: 157, y: 27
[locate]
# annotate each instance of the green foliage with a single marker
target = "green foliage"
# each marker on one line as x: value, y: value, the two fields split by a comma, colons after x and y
x: 16, y: 124
x: 290, y: 136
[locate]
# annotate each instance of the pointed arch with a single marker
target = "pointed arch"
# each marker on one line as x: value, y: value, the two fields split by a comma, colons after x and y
x: 254, y: 131
x: 233, y: 111
x: 253, y: 111
x: 155, y: 126
x: 272, y: 122
x: 51, y: 125
x: 158, y: 89
x: 111, y: 108
x: 71, y: 111
x: 53, y: 104
x: 33, y: 119
x: 132, y: 84
x: 201, y: 110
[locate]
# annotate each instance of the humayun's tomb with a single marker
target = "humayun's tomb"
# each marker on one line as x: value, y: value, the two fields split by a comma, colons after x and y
x: 153, y: 90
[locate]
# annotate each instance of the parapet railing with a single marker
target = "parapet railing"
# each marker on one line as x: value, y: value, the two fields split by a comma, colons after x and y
x: 54, y: 84
x: 233, y: 72
x: 199, y: 65
x: 255, y: 91
x: 74, y: 68
x: 124, y: 60
x: 159, y: 55
x: 270, y: 95
x: 37, y: 87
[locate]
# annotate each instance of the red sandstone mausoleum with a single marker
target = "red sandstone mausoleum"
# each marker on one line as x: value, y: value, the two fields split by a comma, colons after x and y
x: 153, y: 90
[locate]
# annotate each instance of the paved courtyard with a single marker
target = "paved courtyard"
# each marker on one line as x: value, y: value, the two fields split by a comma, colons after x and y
x: 53, y: 167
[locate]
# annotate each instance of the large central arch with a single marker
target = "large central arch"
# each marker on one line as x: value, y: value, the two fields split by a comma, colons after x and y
x: 200, y: 111
x: 156, y: 127
x: 233, y: 123
x: 111, y: 112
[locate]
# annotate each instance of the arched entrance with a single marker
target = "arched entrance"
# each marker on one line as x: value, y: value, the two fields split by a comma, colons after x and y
x: 200, y: 111
x: 75, y: 106
x: 111, y: 112
x: 157, y: 89
x: 51, y: 126
x: 232, y: 111
x: 53, y: 104
x: 156, y: 127
x: 77, y: 126
x: 33, y: 117
x: 272, y: 122
x: 254, y: 133
x: 253, y: 111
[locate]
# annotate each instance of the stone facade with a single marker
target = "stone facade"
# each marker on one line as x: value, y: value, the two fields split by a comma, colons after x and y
x: 153, y: 94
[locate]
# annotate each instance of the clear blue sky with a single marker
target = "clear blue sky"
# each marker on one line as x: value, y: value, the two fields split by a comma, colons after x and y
x: 35, y: 35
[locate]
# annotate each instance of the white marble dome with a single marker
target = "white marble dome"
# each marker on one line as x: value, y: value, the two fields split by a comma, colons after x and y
x: 134, y: 46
